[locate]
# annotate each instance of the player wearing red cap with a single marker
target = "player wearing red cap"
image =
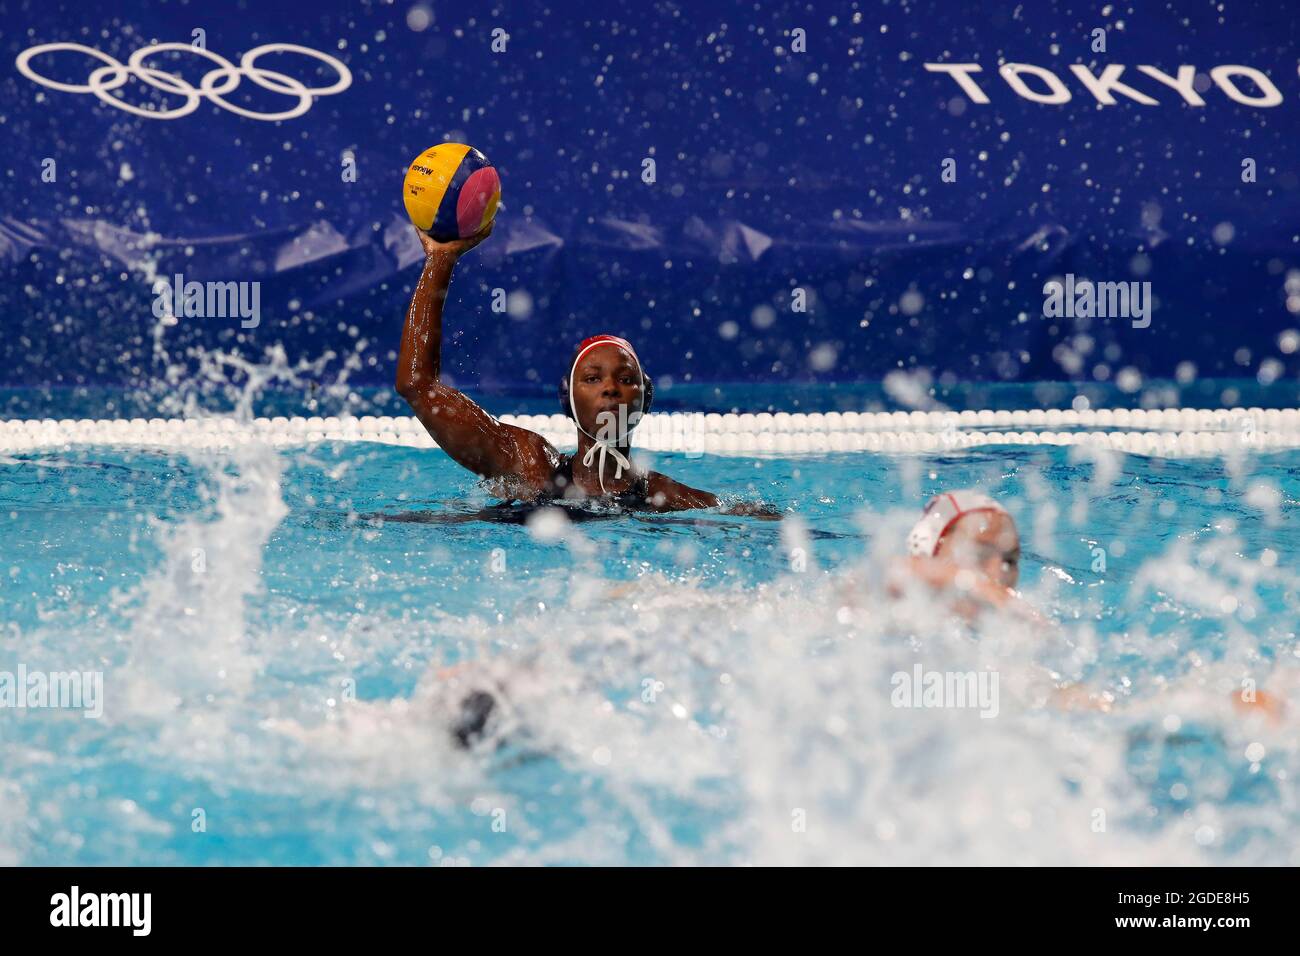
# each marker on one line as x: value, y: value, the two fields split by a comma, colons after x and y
x: 606, y: 392
x: 966, y: 544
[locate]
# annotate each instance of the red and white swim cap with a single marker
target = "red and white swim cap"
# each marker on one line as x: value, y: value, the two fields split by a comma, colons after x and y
x: 941, y: 513
x: 586, y: 346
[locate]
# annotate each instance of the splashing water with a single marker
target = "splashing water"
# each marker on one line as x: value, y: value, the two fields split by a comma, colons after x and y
x: 282, y: 672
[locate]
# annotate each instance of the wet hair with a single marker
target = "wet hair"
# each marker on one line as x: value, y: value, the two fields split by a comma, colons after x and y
x: 471, y: 722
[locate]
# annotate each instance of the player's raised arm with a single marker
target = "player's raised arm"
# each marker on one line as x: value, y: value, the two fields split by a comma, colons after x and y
x: 467, y: 433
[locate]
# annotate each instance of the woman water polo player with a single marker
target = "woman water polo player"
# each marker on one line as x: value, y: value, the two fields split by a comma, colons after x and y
x: 606, y: 392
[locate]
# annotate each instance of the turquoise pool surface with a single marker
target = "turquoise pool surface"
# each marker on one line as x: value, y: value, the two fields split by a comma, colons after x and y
x: 691, y: 688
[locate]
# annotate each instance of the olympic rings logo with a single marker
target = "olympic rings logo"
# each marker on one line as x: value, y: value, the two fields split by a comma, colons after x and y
x: 113, y: 75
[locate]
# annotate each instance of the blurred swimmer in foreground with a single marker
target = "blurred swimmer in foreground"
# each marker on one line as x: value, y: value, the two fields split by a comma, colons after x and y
x: 471, y: 700
x: 966, y: 545
x: 1196, y: 694
x: 605, y: 391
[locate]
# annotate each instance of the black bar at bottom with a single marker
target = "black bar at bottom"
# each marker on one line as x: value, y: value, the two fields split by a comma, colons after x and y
x: 335, y: 906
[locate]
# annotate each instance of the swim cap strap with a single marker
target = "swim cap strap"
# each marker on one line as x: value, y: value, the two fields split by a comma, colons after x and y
x: 620, y: 461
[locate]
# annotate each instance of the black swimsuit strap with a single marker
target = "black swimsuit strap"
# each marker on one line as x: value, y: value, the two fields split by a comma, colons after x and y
x: 637, y: 494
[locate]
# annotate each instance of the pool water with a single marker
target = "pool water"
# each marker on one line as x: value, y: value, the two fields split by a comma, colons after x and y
x: 691, y: 688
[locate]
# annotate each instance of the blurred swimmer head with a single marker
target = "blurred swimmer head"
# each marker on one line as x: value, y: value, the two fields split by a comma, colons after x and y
x: 971, y: 530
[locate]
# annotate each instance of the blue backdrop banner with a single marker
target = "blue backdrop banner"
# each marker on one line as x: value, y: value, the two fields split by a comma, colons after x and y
x: 750, y: 192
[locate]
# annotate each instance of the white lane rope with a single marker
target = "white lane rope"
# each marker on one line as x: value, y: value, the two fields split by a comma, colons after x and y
x: 1180, y: 432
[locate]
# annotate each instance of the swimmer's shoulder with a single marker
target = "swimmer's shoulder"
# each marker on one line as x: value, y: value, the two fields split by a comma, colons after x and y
x: 536, y: 459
